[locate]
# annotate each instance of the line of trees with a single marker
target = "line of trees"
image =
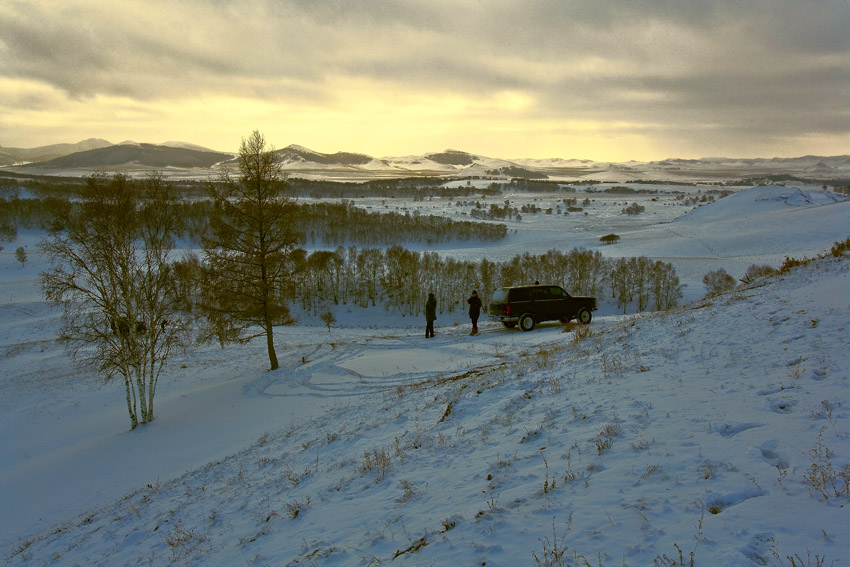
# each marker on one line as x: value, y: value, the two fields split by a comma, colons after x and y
x: 399, y: 280
x: 326, y: 224
x: 337, y: 223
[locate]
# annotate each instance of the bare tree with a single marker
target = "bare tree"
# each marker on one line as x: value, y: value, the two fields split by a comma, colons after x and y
x: 111, y: 273
x: 718, y: 281
x: 249, y: 245
x: 666, y: 288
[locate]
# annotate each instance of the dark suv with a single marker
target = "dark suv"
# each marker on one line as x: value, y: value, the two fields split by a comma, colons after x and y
x: 532, y: 304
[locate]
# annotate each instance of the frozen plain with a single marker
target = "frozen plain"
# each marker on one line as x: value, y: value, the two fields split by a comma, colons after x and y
x: 371, y: 445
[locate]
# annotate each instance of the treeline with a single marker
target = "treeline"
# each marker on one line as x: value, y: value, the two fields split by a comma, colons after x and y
x: 419, y: 188
x: 325, y: 224
x: 28, y: 214
x: 337, y: 223
x: 333, y: 224
x: 399, y: 280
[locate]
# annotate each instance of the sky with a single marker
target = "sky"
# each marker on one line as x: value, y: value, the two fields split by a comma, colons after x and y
x: 607, y: 81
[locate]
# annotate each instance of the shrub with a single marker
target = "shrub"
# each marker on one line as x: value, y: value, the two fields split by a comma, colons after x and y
x: 822, y: 477
x: 634, y: 209
x: 718, y: 281
x: 840, y: 248
x: 755, y: 272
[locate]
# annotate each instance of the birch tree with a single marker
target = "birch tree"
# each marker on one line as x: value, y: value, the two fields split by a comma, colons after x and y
x: 111, y: 273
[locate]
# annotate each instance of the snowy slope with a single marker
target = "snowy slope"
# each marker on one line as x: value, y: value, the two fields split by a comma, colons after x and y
x: 760, y: 225
x: 374, y: 446
x: 765, y: 199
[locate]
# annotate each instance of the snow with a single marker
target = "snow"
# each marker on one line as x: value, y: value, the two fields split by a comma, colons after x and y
x: 371, y: 445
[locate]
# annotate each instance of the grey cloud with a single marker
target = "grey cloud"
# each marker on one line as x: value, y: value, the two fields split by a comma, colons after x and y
x: 783, y: 65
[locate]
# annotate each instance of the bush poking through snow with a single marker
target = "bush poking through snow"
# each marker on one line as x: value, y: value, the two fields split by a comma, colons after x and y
x: 293, y: 509
x: 378, y: 462
x: 554, y: 550
x: 822, y: 477
x: 665, y: 561
x: 606, y: 436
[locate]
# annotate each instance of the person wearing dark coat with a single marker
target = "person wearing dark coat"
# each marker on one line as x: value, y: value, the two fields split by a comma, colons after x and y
x: 474, y: 311
x: 430, y: 315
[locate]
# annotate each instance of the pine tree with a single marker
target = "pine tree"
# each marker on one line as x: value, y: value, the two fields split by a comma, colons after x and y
x: 249, y: 246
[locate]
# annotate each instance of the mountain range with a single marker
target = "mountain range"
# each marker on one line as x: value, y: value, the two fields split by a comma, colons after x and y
x: 181, y: 159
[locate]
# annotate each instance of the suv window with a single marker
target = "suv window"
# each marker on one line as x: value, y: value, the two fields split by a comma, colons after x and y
x: 557, y: 292
x: 521, y: 294
x: 541, y: 293
x: 500, y: 296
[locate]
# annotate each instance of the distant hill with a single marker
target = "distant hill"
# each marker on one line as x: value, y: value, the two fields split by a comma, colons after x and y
x: 13, y: 156
x: 452, y: 157
x: 88, y: 156
x: 299, y: 155
x: 187, y: 145
x: 137, y: 155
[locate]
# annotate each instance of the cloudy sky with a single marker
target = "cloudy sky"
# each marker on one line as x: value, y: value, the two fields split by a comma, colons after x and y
x: 613, y: 80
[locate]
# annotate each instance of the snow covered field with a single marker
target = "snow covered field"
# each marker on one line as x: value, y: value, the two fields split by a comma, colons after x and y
x: 696, y: 430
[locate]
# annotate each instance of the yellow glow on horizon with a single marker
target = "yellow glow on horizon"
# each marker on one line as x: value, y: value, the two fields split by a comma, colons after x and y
x: 357, y: 116
x: 360, y: 118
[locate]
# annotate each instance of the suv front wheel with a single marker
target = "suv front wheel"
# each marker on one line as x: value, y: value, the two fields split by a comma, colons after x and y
x: 526, y: 322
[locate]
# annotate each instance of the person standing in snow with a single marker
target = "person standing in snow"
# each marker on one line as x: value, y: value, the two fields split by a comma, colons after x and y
x: 474, y: 311
x: 430, y: 315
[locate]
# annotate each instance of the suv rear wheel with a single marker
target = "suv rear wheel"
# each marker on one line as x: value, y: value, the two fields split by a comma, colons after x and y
x: 526, y: 322
x: 584, y: 316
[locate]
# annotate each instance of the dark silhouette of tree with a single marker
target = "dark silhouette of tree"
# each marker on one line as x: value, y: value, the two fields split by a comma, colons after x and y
x: 249, y: 244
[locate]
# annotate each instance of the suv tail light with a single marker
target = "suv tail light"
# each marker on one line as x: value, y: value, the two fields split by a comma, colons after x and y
x: 508, y: 308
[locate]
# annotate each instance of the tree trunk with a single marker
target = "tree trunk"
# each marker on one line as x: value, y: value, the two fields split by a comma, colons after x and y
x: 273, y: 365
x: 134, y: 420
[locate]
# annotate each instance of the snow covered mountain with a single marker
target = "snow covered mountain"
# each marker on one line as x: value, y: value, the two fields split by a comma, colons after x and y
x: 14, y: 156
x: 301, y: 161
x: 131, y: 154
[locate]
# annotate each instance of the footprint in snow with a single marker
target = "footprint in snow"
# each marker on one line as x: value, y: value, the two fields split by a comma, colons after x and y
x: 770, y: 453
x: 782, y: 405
x: 761, y: 548
x: 730, y: 430
x: 717, y: 503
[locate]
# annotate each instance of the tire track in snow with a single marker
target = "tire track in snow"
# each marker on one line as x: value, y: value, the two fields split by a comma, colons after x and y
x: 323, y: 374
x: 365, y: 366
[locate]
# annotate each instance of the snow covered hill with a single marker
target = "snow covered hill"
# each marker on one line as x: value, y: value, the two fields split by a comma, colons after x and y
x: 720, y: 429
x: 71, y: 160
x: 765, y: 199
x: 761, y: 225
